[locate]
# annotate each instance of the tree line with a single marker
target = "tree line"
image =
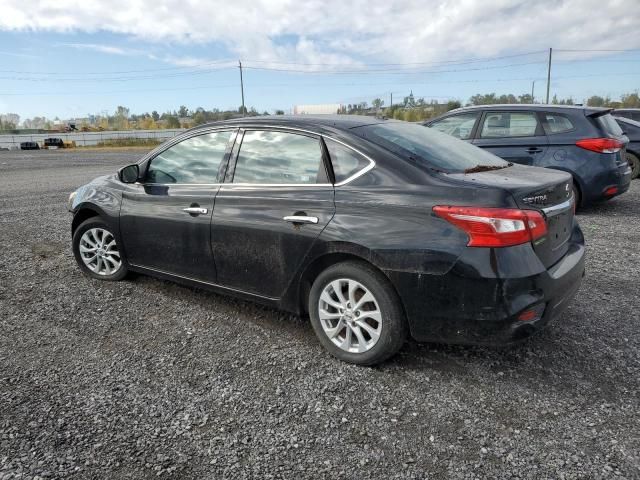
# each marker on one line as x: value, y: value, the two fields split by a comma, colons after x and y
x: 410, y: 108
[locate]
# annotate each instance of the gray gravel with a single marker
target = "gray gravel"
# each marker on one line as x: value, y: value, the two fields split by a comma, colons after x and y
x: 145, y: 378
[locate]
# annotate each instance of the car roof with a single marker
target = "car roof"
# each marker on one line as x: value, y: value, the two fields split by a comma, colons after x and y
x: 627, y: 110
x: 530, y: 106
x: 626, y: 120
x: 340, y: 122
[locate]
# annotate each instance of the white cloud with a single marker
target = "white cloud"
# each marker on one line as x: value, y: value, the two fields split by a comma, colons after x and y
x: 344, y: 32
x: 110, y: 49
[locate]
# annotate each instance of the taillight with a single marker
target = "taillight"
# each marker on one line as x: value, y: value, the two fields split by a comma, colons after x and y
x: 495, y: 227
x: 601, y: 145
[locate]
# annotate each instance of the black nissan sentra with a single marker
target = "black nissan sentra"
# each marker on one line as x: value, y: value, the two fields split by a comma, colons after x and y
x: 376, y: 229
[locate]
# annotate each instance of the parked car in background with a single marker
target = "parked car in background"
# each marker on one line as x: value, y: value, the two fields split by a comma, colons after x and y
x: 375, y: 228
x: 630, y: 113
x: 631, y: 129
x: 53, y: 143
x: 29, y: 146
x: 585, y: 142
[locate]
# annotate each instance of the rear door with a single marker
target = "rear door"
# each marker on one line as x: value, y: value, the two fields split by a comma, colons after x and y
x: 515, y: 136
x: 274, y: 204
x: 166, y: 221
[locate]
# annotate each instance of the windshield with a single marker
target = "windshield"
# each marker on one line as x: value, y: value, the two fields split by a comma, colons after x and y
x: 434, y: 148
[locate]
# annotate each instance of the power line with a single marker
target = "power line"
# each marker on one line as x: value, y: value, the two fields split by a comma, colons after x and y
x: 116, y: 79
x: 118, y: 72
x: 274, y: 62
x: 597, y: 50
x: 324, y: 84
x: 461, y: 61
x: 389, y: 71
x: 393, y: 71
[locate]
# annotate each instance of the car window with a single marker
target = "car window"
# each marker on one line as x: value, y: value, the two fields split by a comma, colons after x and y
x: 420, y: 144
x: 558, y: 123
x: 509, y: 124
x: 635, y: 116
x: 459, y: 126
x: 345, y: 161
x: 194, y: 160
x: 609, y: 125
x: 278, y: 157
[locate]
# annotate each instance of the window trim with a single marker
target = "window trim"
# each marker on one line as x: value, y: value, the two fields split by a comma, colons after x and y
x: 539, y: 132
x: 146, y: 162
x: 228, y: 181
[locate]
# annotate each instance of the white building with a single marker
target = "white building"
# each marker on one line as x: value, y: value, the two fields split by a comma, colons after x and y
x: 318, y: 109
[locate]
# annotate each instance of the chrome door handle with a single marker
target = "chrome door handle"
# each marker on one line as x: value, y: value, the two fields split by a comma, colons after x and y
x: 195, y: 210
x: 300, y: 219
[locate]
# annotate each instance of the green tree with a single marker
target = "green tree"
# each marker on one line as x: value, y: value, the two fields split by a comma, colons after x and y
x: 199, y: 118
x: 279, y: 112
x: 377, y: 103
x: 155, y: 115
x: 183, y: 111
x: 172, y: 121
x: 597, y: 101
x: 453, y: 104
x: 630, y: 100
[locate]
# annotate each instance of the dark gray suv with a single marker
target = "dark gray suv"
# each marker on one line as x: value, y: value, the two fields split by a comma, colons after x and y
x: 583, y: 141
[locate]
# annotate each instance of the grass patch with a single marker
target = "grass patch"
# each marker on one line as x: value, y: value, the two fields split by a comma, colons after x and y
x: 130, y: 142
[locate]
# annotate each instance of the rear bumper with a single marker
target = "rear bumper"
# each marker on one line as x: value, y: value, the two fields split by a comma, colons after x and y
x: 480, y: 304
x: 618, y: 179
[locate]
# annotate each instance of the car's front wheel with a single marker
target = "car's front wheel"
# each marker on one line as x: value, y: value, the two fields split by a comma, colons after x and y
x: 97, y: 252
x: 356, y: 314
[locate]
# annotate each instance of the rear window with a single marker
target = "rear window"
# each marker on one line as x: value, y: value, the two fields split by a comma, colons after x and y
x: 558, y: 123
x: 433, y: 148
x: 609, y: 125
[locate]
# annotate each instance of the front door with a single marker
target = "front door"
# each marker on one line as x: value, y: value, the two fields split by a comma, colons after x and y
x: 516, y: 136
x: 166, y: 220
x: 276, y: 204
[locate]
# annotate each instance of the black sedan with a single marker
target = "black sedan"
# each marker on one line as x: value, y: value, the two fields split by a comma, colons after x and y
x: 631, y: 129
x: 376, y: 229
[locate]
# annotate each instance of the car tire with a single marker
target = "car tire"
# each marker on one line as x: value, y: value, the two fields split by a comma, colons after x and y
x: 96, y: 251
x: 634, y: 163
x: 364, y: 324
x: 577, y: 199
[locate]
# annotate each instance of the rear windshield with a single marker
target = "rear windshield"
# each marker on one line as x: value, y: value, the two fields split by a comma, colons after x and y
x: 608, y: 123
x: 435, y: 149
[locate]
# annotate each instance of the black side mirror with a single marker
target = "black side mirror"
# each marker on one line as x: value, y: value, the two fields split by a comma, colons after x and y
x: 129, y: 174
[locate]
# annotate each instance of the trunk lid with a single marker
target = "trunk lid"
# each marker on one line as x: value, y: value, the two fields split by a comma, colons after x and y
x: 545, y: 190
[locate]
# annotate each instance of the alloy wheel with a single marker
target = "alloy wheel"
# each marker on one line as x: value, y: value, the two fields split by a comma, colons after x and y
x: 99, y: 251
x: 350, y: 315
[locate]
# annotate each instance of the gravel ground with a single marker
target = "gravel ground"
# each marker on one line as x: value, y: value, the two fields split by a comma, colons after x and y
x: 146, y: 378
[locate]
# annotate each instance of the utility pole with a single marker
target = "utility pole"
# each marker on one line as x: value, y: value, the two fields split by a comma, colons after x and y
x: 391, y: 101
x: 533, y: 86
x: 549, y: 74
x: 241, y: 86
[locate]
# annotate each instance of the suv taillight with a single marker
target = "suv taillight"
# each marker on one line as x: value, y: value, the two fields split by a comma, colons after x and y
x: 495, y: 227
x: 601, y: 145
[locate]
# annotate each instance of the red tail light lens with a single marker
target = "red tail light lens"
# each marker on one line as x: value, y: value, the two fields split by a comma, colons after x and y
x: 495, y: 227
x: 600, y: 145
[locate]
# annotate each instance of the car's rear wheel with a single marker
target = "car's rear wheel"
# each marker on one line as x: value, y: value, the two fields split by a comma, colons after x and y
x: 96, y: 251
x: 634, y: 163
x: 356, y: 314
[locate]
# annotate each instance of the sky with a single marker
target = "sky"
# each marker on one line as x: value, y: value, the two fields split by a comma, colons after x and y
x: 68, y: 59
